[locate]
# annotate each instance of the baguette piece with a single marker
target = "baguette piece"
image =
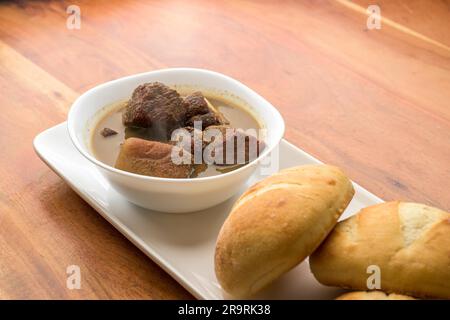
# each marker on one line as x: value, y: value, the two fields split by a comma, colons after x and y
x: 277, y: 223
x: 372, y: 295
x: 409, y: 242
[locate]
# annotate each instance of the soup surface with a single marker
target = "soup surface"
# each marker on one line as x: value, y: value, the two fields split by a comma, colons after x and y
x: 106, y: 149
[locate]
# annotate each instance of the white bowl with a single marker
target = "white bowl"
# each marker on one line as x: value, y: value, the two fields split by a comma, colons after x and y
x: 165, y: 194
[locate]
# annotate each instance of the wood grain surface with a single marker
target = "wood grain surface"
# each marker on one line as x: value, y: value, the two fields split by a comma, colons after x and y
x: 374, y: 102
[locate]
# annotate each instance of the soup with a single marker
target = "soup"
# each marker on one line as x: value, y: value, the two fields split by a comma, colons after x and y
x: 113, y: 135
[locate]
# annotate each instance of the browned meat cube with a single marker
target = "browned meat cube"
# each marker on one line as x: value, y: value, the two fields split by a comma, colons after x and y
x: 156, y: 107
x: 150, y: 158
x: 208, y: 119
x: 191, y: 134
x: 198, y: 109
x: 243, y: 152
x: 195, y: 104
x: 106, y: 132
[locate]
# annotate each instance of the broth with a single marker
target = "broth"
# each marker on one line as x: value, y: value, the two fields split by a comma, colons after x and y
x: 106, y: 149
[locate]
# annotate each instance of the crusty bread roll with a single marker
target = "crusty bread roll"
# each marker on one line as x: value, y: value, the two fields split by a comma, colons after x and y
x: 409, y: 242
x: 277, y: 223
x: 372, y: 295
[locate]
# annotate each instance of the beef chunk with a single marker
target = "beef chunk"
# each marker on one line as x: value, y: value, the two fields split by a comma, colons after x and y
x: 106, y: 132
x: 156, y: 107
x: 226, y: 137
x: 208, y: 119
x: 195, y: 105
x: 189, y: 144
x: 150, y: 158
x: 230, y: 137
x: 199, y: 109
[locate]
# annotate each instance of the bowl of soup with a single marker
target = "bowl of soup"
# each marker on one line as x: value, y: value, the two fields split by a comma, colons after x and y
x: 175, y: 140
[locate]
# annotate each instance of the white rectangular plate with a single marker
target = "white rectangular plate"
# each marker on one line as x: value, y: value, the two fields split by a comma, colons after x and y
x: 182, y: 244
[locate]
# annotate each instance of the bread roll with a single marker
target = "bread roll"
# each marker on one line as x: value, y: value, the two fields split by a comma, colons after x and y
x: 277, y: 223
x: 372, y: 295
x: 409, y: 242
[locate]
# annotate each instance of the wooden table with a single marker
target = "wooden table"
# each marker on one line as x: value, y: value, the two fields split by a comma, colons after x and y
x: 375, y: 102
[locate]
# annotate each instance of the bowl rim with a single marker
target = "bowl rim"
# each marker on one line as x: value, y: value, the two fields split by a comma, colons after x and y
x: 76, y: 104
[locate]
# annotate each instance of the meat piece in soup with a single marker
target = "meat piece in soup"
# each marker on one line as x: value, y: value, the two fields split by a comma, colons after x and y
x: 107, y: 132
x: 198, y: 109
x: 195, y: 104
x: 192, y: 134
x: 217, y: 141
x: 156, y: 107
x: 151, y: 158
x: 243, y: 147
